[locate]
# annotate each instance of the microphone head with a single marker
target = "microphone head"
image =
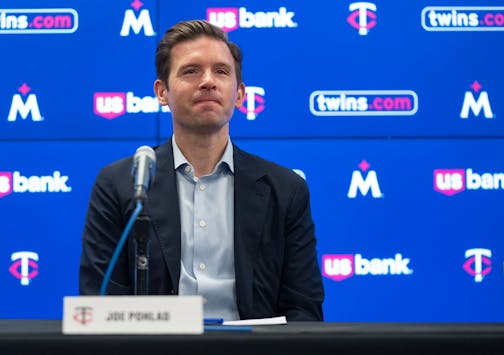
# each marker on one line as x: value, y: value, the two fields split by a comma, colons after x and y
x: 143, y: 169
x: 147, y: 151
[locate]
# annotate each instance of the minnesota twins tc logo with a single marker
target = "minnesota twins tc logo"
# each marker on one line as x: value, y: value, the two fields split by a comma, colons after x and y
x: 254, y: 102
x: 24, y: 266
x: 83, y: 315
x: 362, y: 16
x: 478, y: 263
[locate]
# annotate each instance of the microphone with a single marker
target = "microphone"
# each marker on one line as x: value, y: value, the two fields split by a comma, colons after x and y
x: 144, y: 167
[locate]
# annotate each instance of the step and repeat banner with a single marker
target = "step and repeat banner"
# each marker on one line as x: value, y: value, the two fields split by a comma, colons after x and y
x: 393, y: 112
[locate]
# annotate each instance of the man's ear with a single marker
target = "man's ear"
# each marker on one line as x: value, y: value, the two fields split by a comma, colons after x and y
x: 161, y: 92
x: 240, y: 96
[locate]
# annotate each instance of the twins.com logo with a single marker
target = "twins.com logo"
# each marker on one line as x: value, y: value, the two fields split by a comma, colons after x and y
x: 463, y: 18
x: 363, y: 103
x: 38, y: 21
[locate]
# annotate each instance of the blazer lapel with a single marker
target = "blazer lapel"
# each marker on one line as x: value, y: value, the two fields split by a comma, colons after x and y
x: 164, y: 211
x: 251, y: 196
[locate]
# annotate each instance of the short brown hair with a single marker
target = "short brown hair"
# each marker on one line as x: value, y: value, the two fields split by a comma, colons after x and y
x: 189, y: 30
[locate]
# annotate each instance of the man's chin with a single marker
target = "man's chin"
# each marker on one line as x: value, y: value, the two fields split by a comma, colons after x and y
x: 209, y: 125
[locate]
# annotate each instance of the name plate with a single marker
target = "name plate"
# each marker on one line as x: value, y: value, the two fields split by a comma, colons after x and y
x: 133, y: 315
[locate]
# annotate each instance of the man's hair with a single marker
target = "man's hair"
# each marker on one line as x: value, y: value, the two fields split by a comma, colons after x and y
x: 190, y: 30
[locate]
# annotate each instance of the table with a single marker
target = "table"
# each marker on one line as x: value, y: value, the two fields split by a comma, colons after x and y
x: 313, y: 338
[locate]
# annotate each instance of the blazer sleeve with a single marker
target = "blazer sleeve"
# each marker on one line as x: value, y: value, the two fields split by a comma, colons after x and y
x: 102, y: 230
x: 301, y: 292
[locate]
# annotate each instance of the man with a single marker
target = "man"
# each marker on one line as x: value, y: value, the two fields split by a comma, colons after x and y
x: 225, y: 224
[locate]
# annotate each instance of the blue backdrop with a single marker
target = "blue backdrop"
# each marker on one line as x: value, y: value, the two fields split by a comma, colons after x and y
x: 391, y: 110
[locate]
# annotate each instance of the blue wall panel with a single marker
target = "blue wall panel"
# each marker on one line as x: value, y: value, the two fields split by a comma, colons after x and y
x: 395, y: 122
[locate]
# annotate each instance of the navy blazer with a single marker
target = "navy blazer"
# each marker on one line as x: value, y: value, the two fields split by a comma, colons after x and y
x: 276, y: 265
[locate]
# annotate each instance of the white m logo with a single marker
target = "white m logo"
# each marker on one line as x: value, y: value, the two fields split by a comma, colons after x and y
x: 137, y: 23
x: 24, y: 108
x: 476, y: 106
x: 364, y: 185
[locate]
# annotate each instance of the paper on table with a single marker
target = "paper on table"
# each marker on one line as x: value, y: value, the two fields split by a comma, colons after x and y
x: 260, y: 321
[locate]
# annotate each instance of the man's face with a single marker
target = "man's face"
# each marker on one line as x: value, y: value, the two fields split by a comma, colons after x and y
x: 202, y: 89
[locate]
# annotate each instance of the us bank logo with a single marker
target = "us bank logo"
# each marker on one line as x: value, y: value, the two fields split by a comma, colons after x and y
x: 478, y: 263
x: 476, y: 102
x: 362, y: 16
x: 362, y: 184
x: 339, y: 267
x: 230, y: 19
x: 15, y: 182
x: 24, y: 105
x: 253, y: 103
x: 111, y: 105
x: 463, y: 18
x: 363, y: 103
x: 38, y: 21
x: 137, y: 20
x: 24, y: 266
x: 453, y: 181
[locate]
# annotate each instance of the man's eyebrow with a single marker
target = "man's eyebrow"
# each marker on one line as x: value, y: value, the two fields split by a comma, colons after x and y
x: 188, y: 65
x: 196, y: 65
x: 223, y: 64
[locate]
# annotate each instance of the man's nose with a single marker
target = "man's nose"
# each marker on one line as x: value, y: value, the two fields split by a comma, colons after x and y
x: 207, y: 80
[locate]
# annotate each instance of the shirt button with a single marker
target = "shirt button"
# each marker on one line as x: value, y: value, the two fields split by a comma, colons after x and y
x: 202, y: 266
x: 187, y: 169
x: 202, y: 223
x: 202, y: 187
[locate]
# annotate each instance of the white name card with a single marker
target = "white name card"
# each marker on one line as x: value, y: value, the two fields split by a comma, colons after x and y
x: 133, y: 315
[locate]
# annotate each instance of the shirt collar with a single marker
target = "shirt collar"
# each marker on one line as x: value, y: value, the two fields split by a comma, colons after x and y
x: 227, y: 158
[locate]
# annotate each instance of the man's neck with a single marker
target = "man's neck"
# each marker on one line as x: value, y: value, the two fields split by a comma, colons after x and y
x: 202, y: 151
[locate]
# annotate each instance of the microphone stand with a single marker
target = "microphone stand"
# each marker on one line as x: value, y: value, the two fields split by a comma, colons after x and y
x: 141, y: 234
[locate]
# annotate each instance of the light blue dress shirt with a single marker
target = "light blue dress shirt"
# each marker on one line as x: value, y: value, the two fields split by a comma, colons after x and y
x: 207, y: 225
